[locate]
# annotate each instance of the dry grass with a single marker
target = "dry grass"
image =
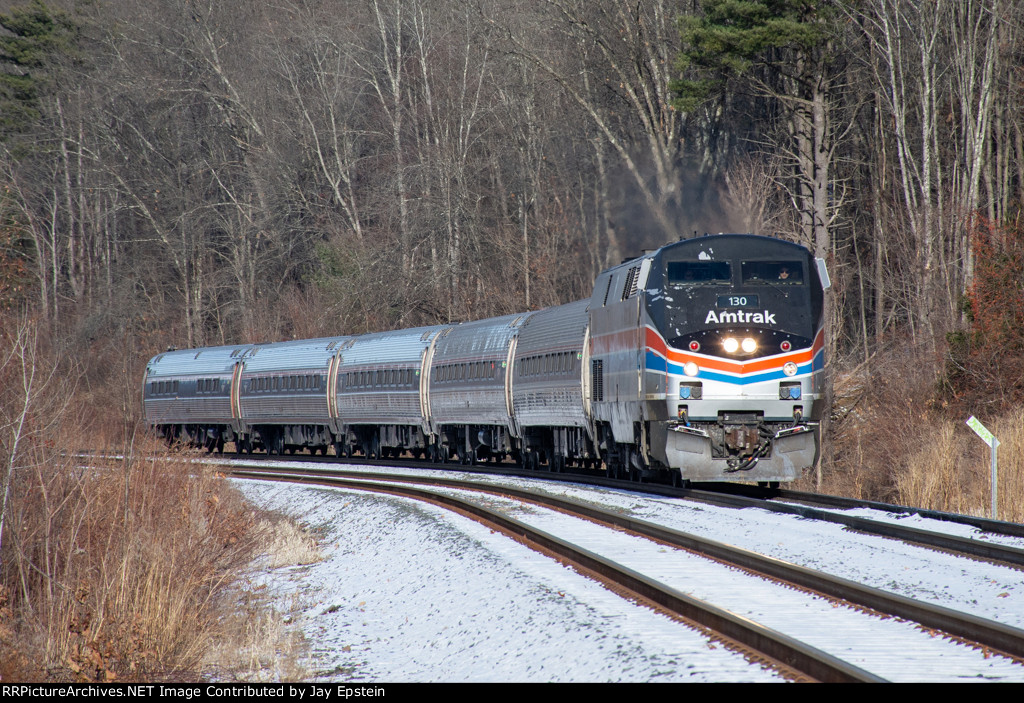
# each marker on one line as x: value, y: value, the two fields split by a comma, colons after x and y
x: 952, y: 472
x: 936, y: 475
x: 110, y: 569
x: 286, y: 543
x: 1009, y: 430
x: 139, y: 569
x: 895, y: 440
x: 119, y: 570
x: 259, y: 641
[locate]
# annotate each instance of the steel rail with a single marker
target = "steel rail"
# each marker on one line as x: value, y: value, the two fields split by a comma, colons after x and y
x: 787, y: 651
x: 962, y: 545
x: 822, y: 500
x: 997, y: 527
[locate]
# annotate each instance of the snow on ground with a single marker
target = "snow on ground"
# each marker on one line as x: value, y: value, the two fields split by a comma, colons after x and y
x: 411, y: 592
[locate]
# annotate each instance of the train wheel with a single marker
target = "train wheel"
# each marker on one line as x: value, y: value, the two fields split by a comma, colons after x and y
x: 615, y: 468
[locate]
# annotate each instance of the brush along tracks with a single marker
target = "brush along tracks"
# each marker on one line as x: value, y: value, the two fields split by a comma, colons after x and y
x: 796, y: 605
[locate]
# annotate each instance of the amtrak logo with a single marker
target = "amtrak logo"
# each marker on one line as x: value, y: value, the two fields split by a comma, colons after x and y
x: 740, y: 317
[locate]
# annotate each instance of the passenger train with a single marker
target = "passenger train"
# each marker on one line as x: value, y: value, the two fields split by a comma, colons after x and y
x: 700, y: 361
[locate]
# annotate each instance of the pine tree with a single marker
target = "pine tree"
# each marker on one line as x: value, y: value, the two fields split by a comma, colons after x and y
x: 734, y: 38
x: 36, y: 35
x: 778, y: 52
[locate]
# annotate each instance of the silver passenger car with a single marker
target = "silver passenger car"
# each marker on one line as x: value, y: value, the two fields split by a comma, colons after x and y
x: 470, y: 396
x: 550, y: 386
x: 188, y: 393
x: 382, y: 392
x: 283, y: 394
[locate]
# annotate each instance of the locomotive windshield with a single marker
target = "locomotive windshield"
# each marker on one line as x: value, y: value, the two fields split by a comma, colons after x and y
x: 785, y: 272
x: 695, y: 272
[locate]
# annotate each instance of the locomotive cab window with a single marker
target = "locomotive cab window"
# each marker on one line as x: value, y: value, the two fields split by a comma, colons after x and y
x: 688, y: 273
x: 774, y: 272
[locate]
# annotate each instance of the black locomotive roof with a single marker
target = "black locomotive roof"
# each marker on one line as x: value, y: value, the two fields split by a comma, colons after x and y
x: 731, y: 246
x: 721, y: 247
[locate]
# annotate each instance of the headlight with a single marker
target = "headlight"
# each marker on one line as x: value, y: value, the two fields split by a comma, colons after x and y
x: 730, y: 344
x: 749, y: 345
x: 691, y: 369
x: 789, y: 369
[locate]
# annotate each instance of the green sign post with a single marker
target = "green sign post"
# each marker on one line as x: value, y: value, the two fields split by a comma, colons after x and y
x: 992, y: 442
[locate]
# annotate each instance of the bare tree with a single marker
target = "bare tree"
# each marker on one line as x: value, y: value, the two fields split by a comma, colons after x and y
x: 618, y: 75
x: 27, y: 398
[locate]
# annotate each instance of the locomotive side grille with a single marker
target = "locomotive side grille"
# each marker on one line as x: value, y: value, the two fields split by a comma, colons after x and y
x: 629, y: 290
x: 597, y: 380
x: 607, y: 290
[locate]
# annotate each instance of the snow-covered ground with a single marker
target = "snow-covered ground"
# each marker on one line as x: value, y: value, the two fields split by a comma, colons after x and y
x: 409, y: 592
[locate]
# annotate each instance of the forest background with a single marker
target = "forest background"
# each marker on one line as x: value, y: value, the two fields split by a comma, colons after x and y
x: 200, y: 172
x: 191, y: 173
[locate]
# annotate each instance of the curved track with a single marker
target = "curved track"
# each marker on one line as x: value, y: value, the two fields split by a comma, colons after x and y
x: 804, y: 505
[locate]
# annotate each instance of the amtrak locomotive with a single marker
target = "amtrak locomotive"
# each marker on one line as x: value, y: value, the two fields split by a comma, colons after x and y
x: 702, y: 360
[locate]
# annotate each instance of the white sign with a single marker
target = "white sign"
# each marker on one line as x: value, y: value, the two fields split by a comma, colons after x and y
x: 982, y: 431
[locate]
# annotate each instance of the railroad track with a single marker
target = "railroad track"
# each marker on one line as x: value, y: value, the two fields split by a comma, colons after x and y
x: 801, y: 504
x: 790, y: 652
